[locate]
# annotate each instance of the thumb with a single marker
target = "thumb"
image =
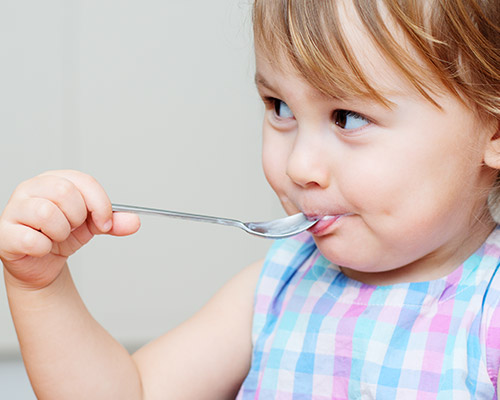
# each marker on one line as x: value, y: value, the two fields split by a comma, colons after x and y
x: 124, y: 224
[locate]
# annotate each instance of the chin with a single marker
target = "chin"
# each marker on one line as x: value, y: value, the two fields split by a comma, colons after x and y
x: 354, y: 254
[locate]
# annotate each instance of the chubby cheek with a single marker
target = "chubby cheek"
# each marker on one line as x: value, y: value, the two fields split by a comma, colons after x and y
x: 407, y: 209
x: 371, y: 189
x: 271, y: 167
x: 274, y: 161
x: 392, y: 212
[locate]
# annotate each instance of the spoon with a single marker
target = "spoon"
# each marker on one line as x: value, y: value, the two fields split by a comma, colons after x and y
x: 276, y: 229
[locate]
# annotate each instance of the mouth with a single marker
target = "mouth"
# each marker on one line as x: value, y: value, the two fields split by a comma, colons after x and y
x: 321, y: 227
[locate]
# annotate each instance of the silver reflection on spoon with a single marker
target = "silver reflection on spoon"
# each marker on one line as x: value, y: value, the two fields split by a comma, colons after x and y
x: 275, y: 229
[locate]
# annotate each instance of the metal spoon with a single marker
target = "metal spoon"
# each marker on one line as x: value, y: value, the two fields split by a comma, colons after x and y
x: 276, y: 229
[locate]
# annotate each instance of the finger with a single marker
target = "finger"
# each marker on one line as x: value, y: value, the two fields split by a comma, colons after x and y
x: 60, y: 191
x: 19, y: 241
x: 124, y: 224
x: 43, y: 215
x: 94, y: 196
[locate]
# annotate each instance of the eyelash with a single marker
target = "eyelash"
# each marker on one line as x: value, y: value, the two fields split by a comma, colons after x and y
x: 344, y: 114
x: 272, y: 103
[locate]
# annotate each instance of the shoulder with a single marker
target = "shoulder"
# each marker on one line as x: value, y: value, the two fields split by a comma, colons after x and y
x: 490, y: 263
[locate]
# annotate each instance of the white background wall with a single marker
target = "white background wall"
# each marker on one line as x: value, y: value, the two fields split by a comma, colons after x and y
x: 156, y: 100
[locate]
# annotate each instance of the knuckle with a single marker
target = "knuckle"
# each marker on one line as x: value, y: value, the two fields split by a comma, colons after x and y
x: 81, y: 216
x: 45, y: 210
x: 29, y: 241
x: 23, y: 186
x: 90, y: 180
x: 62, y: 188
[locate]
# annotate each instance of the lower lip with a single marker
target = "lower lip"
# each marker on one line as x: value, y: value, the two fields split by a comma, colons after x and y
x: 323, y: 224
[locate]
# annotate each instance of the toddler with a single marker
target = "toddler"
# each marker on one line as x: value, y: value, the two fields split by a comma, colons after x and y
x: 382, y: 121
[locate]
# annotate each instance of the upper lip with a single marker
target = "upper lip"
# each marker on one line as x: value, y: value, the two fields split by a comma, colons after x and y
x: 318, y: 213
x: 319, y: 216
x: 311, y: 217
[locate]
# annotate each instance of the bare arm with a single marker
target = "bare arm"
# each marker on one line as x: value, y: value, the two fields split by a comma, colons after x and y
x: 209, y: 355
x: 66, y: 352
x: 69, y: 355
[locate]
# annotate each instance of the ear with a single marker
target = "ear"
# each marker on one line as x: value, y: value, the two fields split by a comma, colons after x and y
x: 492, y: 150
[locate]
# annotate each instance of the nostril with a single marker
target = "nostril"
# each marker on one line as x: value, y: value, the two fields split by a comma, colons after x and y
x: 305, y: 165
x: 308, y: 176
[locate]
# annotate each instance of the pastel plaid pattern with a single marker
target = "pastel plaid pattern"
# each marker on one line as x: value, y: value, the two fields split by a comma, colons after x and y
x: 320, y: 335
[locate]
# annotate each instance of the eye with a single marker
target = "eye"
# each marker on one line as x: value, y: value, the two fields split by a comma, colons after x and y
x: 282, y: 110
x: 349, y: 120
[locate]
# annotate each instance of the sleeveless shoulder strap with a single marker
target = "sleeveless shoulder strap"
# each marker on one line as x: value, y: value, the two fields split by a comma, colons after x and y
x: 491, y: 308
x: 282, y: 263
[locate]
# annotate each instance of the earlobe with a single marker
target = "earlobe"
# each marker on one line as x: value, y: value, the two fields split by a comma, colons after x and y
x: 492, y: 151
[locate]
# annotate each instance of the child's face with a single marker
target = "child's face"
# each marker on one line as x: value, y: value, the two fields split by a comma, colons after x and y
x: 403, y: 185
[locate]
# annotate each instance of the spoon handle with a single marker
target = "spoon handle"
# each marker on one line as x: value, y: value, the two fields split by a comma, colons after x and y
x: 176, y: 214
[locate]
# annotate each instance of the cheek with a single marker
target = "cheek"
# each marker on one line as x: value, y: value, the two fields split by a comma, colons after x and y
x: 273, y: 163
x: 381, y: 182
x: 370, y: 186
x: 271, y: 171
x: 410, y: 184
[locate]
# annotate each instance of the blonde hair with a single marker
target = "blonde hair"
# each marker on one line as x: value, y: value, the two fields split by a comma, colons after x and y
x: 454, y: 44
x: 458, y: 41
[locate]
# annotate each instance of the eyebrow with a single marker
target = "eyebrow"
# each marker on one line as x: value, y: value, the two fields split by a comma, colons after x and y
x: 261, y: 81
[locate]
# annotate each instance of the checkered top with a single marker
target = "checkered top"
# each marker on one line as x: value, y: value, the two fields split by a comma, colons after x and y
x: 320, y: 335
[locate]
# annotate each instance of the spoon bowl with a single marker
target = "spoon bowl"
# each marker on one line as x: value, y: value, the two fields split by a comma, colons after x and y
x: 275, y: 229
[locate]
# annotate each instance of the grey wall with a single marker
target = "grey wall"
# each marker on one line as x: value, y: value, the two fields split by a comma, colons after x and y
x: 156, y: 100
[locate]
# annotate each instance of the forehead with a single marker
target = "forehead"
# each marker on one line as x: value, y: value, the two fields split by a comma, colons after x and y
x: 339, y: 56
x: 283, y: 81
x: 273, y: 70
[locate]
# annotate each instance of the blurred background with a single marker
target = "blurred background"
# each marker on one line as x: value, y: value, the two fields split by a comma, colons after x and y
x: 156, y: 100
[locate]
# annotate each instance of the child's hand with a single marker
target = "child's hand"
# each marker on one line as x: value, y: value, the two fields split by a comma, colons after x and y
x: 50, y: 217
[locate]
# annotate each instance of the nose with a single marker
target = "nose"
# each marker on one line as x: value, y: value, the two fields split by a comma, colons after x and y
x: 308, y: 163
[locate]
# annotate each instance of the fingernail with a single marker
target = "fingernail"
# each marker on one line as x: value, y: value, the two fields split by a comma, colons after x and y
x: 107, y: 225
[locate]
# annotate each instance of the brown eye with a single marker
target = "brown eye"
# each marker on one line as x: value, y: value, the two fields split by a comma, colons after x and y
x: 348, y: 120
